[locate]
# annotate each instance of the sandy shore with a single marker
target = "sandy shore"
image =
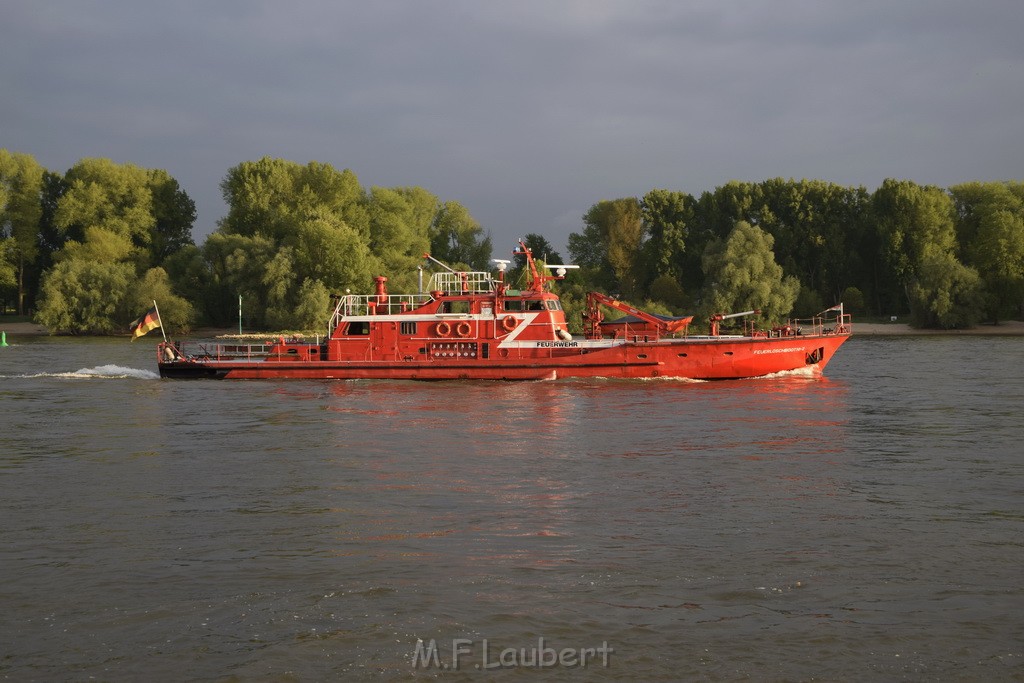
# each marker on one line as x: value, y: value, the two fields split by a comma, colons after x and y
x: 1012, y: 327
x: 21, y: 328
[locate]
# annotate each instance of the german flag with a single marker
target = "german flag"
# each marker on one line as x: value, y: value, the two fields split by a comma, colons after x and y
x: 149, y: 321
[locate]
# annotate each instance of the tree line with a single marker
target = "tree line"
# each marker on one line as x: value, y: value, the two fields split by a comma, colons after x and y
x: 947, y: 257
x: 87, y: 250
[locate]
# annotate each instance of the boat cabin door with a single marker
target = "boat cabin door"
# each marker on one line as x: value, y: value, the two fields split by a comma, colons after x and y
x: 384, y: 340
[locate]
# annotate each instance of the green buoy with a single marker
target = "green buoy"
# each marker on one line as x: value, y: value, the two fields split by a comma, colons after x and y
x: 3, y: 339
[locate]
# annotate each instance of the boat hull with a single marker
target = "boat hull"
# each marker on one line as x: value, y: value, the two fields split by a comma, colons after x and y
x: 709, y: 358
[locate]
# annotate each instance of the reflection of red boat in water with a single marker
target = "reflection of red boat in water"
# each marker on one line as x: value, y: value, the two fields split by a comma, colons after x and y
x: 472, y: 326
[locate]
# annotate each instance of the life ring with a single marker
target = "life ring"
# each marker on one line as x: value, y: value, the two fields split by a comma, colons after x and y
x: 442, y: 329
x: 463, y: 329
x: 508, y: 323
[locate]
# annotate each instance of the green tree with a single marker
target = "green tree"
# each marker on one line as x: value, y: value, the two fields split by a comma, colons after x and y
x: 82, y: 296
x: 289, y: 227
x: 990, y: 228
x: 190, y: 277
x: 7, y: 265
x: 114, y: 197
x: 944, y: 293
x: 236, y: 265
x: 174, y: 214
x: 666, y: 216
x: 817, y: 228
x: 400, y: 221
x: 326, y: 249
x: 278, y: 281
x: 21, y: 179
x: 541, y: 249
x: 808, y: 302
x: 715, y: 215
x: 609, y: 246
x: 916, y: 229
x: 457, y: 239
x: 176, y: 313
x: 267, y: 196
x: 313, y: 310
x: 741, y: 273
x: 666, y: 289
x: 853, y: 300
x: 84, y: 293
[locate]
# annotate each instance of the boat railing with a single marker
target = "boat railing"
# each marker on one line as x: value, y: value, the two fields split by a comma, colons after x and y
x: 375, y: 304
x: 815, y: 325
x: 217, y: 351
x: 471, y: 282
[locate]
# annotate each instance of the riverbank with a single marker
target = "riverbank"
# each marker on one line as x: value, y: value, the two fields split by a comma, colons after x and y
x: 1008, y: 328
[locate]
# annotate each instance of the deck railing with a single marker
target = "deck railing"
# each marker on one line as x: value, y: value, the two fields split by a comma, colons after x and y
x: 815, y: 325
x: 472, y: 282
x: 373, y: 304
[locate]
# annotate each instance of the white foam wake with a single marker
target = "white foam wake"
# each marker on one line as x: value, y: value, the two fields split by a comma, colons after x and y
x: 101, y: 372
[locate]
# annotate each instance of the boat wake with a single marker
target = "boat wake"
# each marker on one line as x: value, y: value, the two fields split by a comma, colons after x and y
x: 101, y: 372
x: 808, y: 372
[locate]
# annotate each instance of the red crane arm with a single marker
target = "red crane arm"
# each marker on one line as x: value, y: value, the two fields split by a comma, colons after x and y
x: 663, y: 326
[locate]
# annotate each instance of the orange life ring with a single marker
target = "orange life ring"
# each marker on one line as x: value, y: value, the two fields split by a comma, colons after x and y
x: 442, y: 329
x: 463, y: 329
x: 508, y: 323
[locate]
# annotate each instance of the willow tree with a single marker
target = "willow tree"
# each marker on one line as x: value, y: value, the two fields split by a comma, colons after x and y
x: 267, y: 196
x: 292, y: 231
x: 85, y: 292
x: 114, y: 197
x: 916, y: 226
x: 715, y: 214
x: 741, y: 274
x: 400, y: 220
x: 105, y: 215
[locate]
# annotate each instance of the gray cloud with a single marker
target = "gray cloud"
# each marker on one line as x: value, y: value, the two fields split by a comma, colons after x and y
x: 525, y: 112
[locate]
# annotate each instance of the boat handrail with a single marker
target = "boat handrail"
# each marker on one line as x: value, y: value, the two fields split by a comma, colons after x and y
x: 469, y: 282
x: 221, y: 351
x: 374, y: 304
x: 819, y: 325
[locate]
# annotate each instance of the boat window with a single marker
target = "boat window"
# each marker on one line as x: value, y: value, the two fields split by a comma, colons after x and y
x: 358, y: 328
x: 554, y: 305
x: 455, y: 307
x: 535, y: 305
x: 513, y: 305
x: 408, y: 328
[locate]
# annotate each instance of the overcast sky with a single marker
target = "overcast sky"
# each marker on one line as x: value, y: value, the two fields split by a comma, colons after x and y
x: 525, y: 111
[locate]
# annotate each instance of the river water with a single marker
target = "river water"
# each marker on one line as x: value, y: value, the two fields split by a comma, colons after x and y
x: 868, y: 525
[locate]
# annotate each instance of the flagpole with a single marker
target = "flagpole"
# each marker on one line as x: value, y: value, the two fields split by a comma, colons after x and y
x: 160, y: 320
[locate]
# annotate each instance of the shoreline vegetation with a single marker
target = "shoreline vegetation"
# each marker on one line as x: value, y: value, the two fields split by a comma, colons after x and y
x: 91, y: 248
x: 1012, y: 328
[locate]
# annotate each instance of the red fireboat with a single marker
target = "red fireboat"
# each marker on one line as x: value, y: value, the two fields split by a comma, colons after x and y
x: 469, y: 325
